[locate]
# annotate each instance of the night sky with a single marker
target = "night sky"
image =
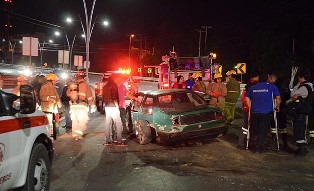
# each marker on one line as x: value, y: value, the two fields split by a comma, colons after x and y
x: 238, y: 27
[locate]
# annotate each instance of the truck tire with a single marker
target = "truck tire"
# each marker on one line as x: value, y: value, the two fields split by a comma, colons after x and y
x: 143, y: 132
x: 38, y: 174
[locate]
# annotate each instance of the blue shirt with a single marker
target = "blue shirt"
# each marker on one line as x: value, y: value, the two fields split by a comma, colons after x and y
x: 262, y: 97
x: 189, y: 84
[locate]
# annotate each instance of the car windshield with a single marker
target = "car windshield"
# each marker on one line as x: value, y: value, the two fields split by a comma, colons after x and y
x: 180, y: 100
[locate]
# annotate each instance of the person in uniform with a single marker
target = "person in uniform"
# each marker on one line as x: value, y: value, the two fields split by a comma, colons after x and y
x: 81, y: 98
x: 21, y: 80
x: 217, y: 92
x: 233, y: 92
x: 302, y: 95
x: 50, y: 100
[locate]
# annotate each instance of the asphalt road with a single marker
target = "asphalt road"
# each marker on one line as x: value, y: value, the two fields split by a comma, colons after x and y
x: 213, y: 164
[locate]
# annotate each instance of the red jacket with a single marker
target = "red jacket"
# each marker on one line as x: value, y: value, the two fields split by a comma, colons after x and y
x: 176, y: 85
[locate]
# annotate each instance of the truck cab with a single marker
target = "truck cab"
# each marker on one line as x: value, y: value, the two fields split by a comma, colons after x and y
x: 26, y: 149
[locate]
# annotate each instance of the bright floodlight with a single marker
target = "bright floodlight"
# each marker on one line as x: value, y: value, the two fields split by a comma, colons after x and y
x: 106, y: 23
x: 20, y: 41
x: 83, y: 35
x: 57, y: 33
x: 69, y: 20
x: 50, y: 41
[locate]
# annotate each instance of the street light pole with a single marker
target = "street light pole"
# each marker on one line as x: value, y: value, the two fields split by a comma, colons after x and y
x: 131, y: 36
x: 88, y: 32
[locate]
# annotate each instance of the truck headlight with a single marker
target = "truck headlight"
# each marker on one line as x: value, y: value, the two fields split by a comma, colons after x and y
x: 64, y: 76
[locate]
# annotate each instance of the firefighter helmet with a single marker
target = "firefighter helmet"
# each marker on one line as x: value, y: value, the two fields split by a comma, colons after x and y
x: 231, y: 72
x: 218, y: 75
x: 80, y: 74
x: 21, y: 79
x: 196, y: 75
x: 52, y: 77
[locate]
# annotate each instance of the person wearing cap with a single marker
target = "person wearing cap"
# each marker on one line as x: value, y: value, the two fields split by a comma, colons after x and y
x: 217, y: 92
x: 81, y: 97
x: 233, y: 92
x: 198, y: 86
x: 50, y: 100
x: 21, y: 80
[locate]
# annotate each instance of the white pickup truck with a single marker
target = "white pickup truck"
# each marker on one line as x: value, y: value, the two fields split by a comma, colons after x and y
x: 26, y: 149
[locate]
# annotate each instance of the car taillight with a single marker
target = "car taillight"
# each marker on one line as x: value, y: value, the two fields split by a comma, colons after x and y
x: 219, y: 116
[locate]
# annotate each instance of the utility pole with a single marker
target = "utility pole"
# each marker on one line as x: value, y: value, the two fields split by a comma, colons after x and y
x: 202, y: 30
x: 205, y: 40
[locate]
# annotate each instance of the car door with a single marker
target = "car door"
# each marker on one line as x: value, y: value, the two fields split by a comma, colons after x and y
x: 146, y: 109
x: 11, y: 149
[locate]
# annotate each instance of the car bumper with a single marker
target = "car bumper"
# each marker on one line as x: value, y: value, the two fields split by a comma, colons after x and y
x: 196, y: 133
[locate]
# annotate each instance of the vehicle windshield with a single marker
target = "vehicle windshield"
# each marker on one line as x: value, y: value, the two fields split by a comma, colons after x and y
x: 180, y: 100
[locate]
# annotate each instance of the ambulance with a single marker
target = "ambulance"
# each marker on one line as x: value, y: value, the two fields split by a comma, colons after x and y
x: 26, y: 149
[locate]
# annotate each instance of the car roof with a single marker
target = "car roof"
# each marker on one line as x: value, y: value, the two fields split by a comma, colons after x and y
x: 164, y: 91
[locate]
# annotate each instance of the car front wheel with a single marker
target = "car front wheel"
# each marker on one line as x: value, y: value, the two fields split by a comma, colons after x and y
x: 38, y: 175
x: 143, y: 132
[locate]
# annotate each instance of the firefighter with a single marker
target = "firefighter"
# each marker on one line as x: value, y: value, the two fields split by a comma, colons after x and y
x: 233, y: 92
x: 198, y: 85
x: 21, y: 80
x: 217, y: 92
x: 81, y: 98
x: 50, y: 100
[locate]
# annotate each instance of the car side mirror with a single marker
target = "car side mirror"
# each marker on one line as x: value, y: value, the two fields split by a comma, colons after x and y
x: 27, y: 99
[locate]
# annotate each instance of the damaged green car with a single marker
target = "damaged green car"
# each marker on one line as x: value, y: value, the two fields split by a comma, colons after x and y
x: 174, y: 114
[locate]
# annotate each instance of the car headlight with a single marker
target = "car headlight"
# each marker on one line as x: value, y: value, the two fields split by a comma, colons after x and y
x: 27, y: 72
x: 64, y: 76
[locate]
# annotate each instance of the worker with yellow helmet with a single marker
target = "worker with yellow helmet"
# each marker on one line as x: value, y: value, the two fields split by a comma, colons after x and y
x: 199, y: 85
x: 217, y: 92
x: 81, y: 98
x: 233, y: 92
x: 21, y: 80
x: 50, y: 100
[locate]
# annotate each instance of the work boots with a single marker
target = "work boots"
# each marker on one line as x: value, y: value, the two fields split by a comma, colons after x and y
x: 301, y: 151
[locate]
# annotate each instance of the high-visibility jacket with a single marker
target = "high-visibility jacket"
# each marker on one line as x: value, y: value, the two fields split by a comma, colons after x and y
x: 48, y: 92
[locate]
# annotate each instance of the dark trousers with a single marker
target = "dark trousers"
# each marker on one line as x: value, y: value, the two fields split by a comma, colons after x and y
x: 244, y: 131
x: 123, y: 118
x: 299, y: 123
x: 259, y: 128
x: 68, y: 121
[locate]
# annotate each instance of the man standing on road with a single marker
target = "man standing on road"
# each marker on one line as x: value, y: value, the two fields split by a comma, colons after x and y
x: 302, y: 94
x: 66, y: 103
x: 245, y: 130
x: 122, y: 93
x: 217, y: 92
x: 111, y: 103
x: 259, y: 98
x: 81, y: 98
x: 233, y: 92
x: 50, y: 100
x: 21, y: 80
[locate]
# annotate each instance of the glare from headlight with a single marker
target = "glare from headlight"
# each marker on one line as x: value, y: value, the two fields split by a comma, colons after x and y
x: 64, y: 76
x: 27, y: 72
